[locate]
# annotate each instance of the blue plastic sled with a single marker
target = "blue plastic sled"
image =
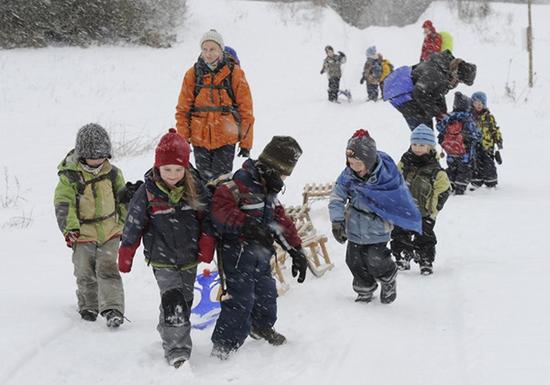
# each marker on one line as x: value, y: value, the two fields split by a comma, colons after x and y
x: 207, y: 310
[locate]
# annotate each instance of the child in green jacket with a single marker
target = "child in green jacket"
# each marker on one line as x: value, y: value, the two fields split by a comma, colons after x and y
x: 91, y: 220
x: 430, y: 188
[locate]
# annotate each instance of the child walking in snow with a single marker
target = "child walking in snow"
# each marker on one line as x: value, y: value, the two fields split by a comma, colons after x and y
x: 91, y: 220
x: 170, y: 212
x: 332, y: 65
x: 248, y: 216
x: 459, y: 136
x: 369, y: 197
x: 372, y: 72
x: 485, y: 171
x: 430, y: 188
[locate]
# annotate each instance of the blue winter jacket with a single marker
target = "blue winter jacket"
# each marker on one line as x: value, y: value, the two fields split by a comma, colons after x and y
x: 370, y: 207
x: 471, y: 134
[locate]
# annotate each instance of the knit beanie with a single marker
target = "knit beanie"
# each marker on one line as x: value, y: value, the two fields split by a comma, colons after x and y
x: 428, y: 24
x: 462, y: 103
x: 423, y: 135
x: 172, y: 149
x: 281, y: 154
x: 481, y: 96
x: 371, y: 51
x: 92, y: 142
x: 214, y: 36
x: 361, y: 146
x: 466, y: 72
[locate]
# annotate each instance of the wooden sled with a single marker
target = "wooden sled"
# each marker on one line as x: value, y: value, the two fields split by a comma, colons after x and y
x: 314, y: 191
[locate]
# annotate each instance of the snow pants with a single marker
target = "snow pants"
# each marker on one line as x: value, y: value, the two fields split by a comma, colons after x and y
x: 333, y: 87
x: 252, y: 294
x: 409, y: 241
x: 213, y: 163
x: 369, y: 263
x: 99, y: 286
x: 414, y: 115
x: 459, y: 173
x: 485, y: 171
x: 176, y: 299
x: 372, y: 91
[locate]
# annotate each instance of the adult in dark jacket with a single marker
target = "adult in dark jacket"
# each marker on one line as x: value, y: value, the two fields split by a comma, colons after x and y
x: 418, y: 92
x: 248, y: 217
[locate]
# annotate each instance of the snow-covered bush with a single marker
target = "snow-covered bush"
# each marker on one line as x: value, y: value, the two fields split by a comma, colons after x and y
x: 39, y: 23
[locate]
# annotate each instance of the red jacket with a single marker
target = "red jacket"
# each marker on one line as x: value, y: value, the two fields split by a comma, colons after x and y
x: 432, y: 43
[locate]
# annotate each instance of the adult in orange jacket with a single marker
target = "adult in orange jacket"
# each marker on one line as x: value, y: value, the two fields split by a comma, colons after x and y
x: 214, y: 110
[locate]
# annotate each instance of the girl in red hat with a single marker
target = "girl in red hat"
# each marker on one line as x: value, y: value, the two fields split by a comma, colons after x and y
x: 170, y: 212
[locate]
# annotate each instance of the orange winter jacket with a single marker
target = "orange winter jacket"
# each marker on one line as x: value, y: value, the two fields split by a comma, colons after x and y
x: 211, y: 119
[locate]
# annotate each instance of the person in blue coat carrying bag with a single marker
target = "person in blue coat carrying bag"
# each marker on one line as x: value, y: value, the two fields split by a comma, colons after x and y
x: 369, y: 197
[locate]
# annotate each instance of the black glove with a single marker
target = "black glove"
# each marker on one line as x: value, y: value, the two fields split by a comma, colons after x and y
x: 498, y: 157
x: 322, y: 72
x: 299, y: 264
x: 362, y: 80
x: 244, y: 152
x: 341, y: 54
x: 127, y: 192
x: 339, y: 232
x: 254, y: 231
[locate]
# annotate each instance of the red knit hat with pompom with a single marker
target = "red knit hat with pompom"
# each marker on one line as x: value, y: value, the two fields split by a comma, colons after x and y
x: 172, y: 149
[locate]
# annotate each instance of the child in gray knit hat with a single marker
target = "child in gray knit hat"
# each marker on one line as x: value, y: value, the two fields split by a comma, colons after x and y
x: 368, y: 198
x: 91, y: 220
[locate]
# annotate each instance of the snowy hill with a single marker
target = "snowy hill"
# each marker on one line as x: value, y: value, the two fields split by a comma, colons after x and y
x: 482, y: 318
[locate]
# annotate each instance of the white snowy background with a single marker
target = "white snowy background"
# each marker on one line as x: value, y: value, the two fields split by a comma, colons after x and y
x: 482, y: 318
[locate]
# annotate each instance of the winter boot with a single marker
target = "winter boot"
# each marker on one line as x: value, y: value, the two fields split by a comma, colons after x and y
x: 176, y: 362
x: 426, y: 268
x: 403, y: 260
x: 388, y: 293
x: 365, y: 294
x: 220, y: 352
x: 88, y: 315
x: 347, y: 94
x: 114, y: 318
x: 269, y: 334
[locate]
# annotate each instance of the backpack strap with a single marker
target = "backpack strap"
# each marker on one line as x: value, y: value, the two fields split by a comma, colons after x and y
x: 226, y: 85
x: 76, y: 177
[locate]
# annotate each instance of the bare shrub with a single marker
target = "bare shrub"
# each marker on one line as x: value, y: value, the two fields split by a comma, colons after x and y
x: 126, y: 146
x: 22, y: 221
x: 11, y: 194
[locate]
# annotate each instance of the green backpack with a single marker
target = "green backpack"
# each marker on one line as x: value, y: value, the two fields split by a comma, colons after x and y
x: 446, y: 41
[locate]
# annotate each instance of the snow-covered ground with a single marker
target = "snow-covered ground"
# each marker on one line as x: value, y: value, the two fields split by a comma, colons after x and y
x: 482, y: 318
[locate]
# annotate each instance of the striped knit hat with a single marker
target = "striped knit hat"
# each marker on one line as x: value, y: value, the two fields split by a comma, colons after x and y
x: 423, y: 135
